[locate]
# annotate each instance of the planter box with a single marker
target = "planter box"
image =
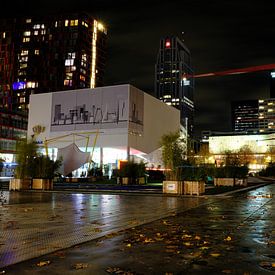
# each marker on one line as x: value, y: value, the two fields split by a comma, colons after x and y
x: 19, y: 184
x: 42, y: 184
x: 194, y: 187
x: 224, y: 181
x: 230, y: 181
x: 172, y: 187
x: 125, y: 180
x: 141, y: 180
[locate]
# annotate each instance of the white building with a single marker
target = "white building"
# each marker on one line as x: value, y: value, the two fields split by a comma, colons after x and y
x: 262, y: 147
x: 121, y: 121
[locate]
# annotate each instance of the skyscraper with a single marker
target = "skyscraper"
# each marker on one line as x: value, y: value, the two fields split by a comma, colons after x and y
x: 245, y: 116
x: 47, y: 54
x: 173, y: 84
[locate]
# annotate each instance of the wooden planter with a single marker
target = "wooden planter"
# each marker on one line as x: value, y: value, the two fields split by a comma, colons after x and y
x: 224, y: 181
x: 172, y: 187
x: 42, y: 184
x: 19, y: 184
x: 230, y: 182
x: 125, y: 180
x: 194, y: 187
x: 141, y: 180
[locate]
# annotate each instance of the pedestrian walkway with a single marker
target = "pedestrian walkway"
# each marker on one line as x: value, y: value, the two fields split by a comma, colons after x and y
x: 37, y: 223
x: 234, y: 235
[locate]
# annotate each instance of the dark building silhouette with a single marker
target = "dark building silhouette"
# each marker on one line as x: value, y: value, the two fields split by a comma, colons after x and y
x: 245, y: 116
x: 272, y: 84
x: 47, y: 54
x: 173, y: 63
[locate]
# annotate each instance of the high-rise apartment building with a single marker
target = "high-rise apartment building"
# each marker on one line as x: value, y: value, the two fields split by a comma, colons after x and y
x: 173, y: 84
x: 47, y: 54
x: 245, y: 116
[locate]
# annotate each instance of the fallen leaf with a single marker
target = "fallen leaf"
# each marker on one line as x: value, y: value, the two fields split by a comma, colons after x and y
x: 80, y: 266
x: 215, y: 254
x: 228, y: 238
x: 43, y: 263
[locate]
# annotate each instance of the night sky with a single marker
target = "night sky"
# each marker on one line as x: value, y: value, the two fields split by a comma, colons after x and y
x: 221, y: 35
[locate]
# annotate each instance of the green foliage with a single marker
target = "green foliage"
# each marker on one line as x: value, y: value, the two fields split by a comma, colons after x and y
x: 192, y: 173
x: 45, y: 168
x: 31, y: 164
x: 231, y: 172
x: 172, y: 153
x: 26, y: 152
x: 132, y: 169
x: 269, y: 171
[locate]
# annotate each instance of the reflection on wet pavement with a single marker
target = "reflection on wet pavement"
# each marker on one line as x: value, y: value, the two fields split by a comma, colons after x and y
x: 36, y: 223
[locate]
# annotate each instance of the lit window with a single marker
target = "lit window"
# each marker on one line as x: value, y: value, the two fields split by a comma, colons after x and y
x: 22, y: 100
x: 74, y: 23
x: 36, y: 52
x: 66, y: 25
x: 85, y: 24
x: 261, y: 100
x: 68, y: 82
x: 36, y: 26
x: 35, y: 32
x: 24, y: 52
x: 43, y: 32
x: 27, y: 33
x: 28, y: 20
x: 270, y: 103
x: 32, y: 84
x: 42, y: 26
x: 270, y: 110
x: 69, y: 76
x: 4, y: 35
x: 69, y: 62
x: 56, y: 24
x: 82, y: 77
x: 26, y: 39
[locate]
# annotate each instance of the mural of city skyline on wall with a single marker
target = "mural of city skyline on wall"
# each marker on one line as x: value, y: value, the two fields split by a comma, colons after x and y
x: 97, y: 109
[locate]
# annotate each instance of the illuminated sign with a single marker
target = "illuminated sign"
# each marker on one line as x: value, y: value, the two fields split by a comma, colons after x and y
x: 19, y: 85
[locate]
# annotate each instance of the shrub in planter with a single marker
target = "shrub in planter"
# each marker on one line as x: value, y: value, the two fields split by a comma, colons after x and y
x: 132, y: 171
x: 26, y: 152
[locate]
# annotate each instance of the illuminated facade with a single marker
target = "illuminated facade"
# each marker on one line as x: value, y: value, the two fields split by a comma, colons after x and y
x: 245, y: 116
x: 261, y: 147
x: 267, y: 115
x: 48, y: 54
x: 173, y: 62
x: 129, y: 122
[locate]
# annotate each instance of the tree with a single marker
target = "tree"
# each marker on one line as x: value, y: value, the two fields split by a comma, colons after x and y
x: 245, y: 155
x: 26, y: 152
x: 172, y: 153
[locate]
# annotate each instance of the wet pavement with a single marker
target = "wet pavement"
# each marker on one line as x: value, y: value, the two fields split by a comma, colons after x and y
x: 138, y: 234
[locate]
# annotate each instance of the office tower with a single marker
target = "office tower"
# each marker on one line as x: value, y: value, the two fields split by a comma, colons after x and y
x: 47, y: 54
x: 245, y: 116
x: 173, y: 82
